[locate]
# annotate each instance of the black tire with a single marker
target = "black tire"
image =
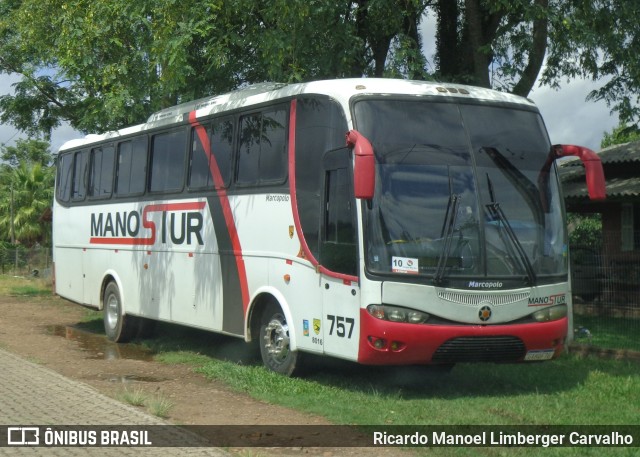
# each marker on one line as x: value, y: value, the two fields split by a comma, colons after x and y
x: 146, y: 327
x: 119, y: 327
x: 274, y: 343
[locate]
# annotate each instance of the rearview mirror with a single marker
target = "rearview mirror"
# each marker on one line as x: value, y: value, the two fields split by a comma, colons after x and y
x: 594, y: 172
x: 364, y: 169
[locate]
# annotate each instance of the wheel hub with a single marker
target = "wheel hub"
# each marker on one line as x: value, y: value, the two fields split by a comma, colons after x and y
x: 111, y: 309
x: 276, y: 339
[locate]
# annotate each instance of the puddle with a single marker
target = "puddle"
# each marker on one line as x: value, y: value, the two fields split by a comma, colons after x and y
x: 124, y: 379
x: 98, y: 347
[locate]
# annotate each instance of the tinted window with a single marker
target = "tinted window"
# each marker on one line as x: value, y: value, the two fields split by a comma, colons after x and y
x: 199, y: 174
x: 338, y: 252
x: 320, y: 127
x: 222, y: 147
x: 339, y: 221
x: 101, y: 174
x: 167, y: 161
x: 63, y: 189
x: 132, y: 162
x: 262, y: 149
x: 220, y: 137
x: 79, y: 175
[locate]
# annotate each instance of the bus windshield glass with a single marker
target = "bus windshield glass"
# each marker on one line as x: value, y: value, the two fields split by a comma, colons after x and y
x: 463, y: 192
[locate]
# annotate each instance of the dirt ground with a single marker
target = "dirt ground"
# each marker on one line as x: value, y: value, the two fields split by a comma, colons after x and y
x: 44, y: 330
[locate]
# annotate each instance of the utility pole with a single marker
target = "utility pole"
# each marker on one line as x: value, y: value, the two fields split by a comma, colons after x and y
x: 13, y: 233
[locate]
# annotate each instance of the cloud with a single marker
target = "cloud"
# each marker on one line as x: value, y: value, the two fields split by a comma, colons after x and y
x: 569, y: 118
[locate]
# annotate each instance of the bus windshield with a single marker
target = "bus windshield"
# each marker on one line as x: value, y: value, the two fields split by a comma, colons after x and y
x: 463, y: 192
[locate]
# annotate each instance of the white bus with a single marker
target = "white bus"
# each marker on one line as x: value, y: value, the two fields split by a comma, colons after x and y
x: 434, y: 233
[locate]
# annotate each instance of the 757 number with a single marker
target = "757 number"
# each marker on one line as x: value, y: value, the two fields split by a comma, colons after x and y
x: 338, y: 324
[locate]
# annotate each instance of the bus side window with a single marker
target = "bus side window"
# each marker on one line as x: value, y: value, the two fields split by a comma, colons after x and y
x: 79, y: 175
x: 262, y: 148
x: 220, y: 135
x: 338, y: 251
x: 222, y: 148
x: 199, y: 172
x: 65, y: 173
x: 167, y: 161
x: 101, y: 172
x: 131, y: 167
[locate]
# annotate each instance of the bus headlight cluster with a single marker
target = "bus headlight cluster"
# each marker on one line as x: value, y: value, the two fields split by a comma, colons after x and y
x: 552, y: 313
x: 397, y: 314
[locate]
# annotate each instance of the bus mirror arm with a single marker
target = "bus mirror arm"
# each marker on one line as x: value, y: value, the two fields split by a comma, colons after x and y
x: 364, y: 169
x: 594, y: 172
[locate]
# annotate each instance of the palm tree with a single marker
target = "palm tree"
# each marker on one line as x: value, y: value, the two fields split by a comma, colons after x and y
x: 25, y: 194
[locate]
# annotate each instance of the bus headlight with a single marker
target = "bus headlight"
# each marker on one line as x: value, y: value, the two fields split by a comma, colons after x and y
x: 552, y: 313
x: 397, y: 314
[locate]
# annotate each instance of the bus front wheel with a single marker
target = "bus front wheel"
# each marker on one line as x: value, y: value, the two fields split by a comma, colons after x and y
x: 275, y: 343
x: 118, y: 326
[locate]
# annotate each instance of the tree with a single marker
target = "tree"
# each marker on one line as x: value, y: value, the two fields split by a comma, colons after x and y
x: 27, y: 151
x: 103, y: 65
x: 26, y: 191
x: 621, y: 134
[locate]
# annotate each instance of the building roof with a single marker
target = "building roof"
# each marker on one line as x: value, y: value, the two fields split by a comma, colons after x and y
x: 621, y: 169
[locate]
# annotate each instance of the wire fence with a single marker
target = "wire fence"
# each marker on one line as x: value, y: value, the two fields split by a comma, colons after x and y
x: 32, y: 262
x: 605, y: 282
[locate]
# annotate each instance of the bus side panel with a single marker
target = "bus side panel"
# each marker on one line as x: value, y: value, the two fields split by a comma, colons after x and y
x: 68, y: 256
x: 273, y: 257
x: 95, y: 262
x: 69, y: 280
x: 297, y: 281
x: 179, y: 286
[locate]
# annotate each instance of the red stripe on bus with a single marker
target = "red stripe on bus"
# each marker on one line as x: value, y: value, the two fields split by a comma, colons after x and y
x: 188, y: 206
x: 294, y: 201
x: 226, y: 207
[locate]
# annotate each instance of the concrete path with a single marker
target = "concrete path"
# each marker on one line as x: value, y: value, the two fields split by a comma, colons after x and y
x: 34, y: 395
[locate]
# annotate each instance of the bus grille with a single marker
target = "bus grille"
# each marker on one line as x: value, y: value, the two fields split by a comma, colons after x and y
x: 475, y: 299
x: 480, y: 349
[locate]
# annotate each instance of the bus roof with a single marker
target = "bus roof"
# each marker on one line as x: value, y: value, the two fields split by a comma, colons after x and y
x: 340, y: 89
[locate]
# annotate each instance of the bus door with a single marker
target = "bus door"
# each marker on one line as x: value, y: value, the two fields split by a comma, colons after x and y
x: 339, y: 258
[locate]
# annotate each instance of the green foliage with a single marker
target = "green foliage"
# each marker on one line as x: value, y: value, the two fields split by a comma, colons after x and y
x: 104, y: 65
x: 26, y: 192
x: 27, y: 151
x: 585, y: 230
x: 621, y: 134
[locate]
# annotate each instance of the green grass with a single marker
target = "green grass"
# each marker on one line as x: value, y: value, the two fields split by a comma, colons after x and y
x: 156, y: 404
x: 134, y: 397
x: 159, y: 406
x: 610, y: 332
x: 24, y: 287
x: 569, y: 391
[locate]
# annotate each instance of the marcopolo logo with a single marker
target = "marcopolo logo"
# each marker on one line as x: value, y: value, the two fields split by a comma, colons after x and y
x: 181, y: 223
x: 485, y: 284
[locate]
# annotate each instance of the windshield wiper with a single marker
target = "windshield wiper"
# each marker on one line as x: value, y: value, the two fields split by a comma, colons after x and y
x: 448, y: 228
x: 498, y: 215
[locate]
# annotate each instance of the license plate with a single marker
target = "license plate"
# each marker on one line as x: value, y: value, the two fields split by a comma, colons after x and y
x: 539, y: 354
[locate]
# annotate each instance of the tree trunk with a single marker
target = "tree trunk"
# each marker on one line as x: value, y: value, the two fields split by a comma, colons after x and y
x: 536, y: 53
x: 480, y: 60
x: 447, y: 58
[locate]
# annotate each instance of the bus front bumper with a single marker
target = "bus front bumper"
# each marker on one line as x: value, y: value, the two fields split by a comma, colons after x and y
x: 392, y: 343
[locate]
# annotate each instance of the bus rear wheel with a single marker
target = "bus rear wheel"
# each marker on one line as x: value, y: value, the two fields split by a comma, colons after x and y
x: 119, y: 327
x: 275, y: 347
